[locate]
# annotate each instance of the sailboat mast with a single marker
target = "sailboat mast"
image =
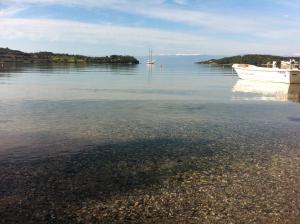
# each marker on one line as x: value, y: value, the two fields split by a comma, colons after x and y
x: 150, y: 57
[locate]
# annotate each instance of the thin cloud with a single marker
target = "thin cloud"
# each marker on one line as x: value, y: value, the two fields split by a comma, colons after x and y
x: 157, y: 9
x: 78, y: 32
x: 271, y: 35
x: 11, y: 11
x: 181, y: 2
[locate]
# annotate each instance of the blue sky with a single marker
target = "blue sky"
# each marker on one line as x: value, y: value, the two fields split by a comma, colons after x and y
x: 104, y: 27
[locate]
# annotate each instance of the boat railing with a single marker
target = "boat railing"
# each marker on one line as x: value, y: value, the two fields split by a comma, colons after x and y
x: 292, y: 64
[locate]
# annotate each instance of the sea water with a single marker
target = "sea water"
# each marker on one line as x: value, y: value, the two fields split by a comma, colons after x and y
x: 74, y: 137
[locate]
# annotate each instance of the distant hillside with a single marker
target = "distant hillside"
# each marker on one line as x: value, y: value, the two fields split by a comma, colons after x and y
x: 253, y: 59
x: 7, y: 55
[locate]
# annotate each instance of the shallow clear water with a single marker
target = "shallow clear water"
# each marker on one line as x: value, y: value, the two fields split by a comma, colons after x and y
x: 106, y: 116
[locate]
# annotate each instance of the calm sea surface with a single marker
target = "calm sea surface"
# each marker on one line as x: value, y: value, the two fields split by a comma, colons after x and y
x: 173, y: 142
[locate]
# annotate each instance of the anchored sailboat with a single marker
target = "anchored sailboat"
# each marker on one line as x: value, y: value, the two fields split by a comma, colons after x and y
x: 150, y: 60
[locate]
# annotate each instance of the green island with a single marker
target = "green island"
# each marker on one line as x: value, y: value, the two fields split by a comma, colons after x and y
x: 253, y: 59
x: 14, y: 56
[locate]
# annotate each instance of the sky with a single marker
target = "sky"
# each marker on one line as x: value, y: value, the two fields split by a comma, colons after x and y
x: 131, y: 27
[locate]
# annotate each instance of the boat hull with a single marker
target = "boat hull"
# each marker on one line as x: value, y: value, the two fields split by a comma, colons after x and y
x: 267, y: 74
x: 150, y: 62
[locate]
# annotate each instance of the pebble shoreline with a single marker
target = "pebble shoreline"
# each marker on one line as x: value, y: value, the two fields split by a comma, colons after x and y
x: 136, y: 183
x: 168, y: 168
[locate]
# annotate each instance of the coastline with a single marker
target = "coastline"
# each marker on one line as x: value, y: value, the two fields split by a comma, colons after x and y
x: 253, y: 59
x: 13, y: 56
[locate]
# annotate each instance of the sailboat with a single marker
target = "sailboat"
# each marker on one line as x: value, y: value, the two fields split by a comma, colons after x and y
x: 150, y: 60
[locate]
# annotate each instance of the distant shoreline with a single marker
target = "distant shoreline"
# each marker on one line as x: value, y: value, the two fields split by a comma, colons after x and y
x: 254, y: 59
x: 14, y: 56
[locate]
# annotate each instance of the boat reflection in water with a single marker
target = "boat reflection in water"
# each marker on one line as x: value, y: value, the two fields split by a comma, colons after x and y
x: 255, y: 90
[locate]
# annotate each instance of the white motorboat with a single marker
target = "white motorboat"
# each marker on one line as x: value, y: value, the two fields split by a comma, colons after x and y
x: 288, y: 73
